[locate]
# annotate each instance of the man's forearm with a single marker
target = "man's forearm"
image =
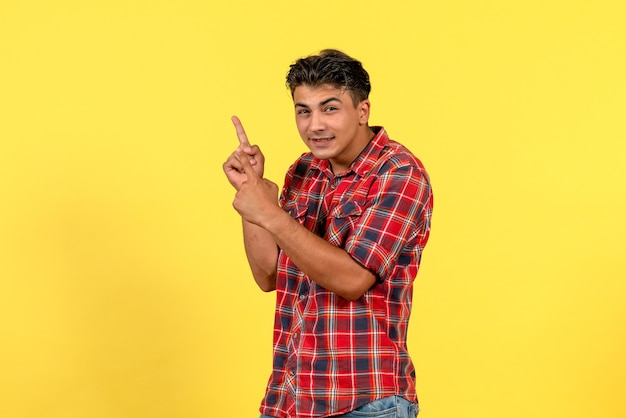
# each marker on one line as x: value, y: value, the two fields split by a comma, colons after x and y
x: 262, y: 254
x: 330, y: 267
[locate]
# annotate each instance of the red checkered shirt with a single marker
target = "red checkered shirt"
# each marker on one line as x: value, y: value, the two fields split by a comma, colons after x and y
x: 332, y: 355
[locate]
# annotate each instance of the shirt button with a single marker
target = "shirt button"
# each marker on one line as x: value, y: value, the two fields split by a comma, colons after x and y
x: 302, y: 297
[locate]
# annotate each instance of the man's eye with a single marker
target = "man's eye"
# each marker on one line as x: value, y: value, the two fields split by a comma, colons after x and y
x: 302, y: 111
x: 331, y: 108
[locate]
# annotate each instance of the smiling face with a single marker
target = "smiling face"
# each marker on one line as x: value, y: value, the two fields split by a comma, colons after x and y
x: 330, y: 124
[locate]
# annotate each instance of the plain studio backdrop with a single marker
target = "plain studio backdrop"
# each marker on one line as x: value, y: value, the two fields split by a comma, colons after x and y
x: 124, y: 288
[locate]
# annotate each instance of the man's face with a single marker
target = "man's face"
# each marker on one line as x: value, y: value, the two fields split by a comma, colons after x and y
x: 330, y: 125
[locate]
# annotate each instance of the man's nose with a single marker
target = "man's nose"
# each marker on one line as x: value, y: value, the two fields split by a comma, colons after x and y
x: 317, y: 122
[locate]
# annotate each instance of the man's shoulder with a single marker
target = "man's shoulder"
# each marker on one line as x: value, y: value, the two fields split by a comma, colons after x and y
x: 395, y: 155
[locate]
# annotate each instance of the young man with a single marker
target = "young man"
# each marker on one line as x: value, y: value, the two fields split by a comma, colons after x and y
x: 341, y: 248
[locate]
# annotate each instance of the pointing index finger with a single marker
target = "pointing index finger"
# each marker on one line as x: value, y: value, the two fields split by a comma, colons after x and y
x: 241, y: 133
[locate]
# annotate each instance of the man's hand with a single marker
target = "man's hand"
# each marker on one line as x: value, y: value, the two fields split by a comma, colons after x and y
x: 233, y: 168
x: 256, y: 199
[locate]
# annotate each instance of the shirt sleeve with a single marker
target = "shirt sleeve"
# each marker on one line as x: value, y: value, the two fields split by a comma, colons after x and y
x: 395, y: 223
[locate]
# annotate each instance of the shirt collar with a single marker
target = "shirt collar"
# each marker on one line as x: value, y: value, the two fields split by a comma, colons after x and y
x: 365, y: 161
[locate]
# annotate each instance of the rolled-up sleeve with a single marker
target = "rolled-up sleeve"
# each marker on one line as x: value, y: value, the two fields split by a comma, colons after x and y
x: 395, y: 223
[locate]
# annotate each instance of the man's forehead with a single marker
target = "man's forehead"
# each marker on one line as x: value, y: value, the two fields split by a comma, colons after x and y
x: 313, y: 95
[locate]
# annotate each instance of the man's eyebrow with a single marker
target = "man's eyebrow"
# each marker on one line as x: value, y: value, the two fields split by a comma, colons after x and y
x: 330, y: 99
x: 322, y: 103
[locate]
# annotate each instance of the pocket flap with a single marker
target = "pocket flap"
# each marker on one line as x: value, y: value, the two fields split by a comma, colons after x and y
x: 347, y: 209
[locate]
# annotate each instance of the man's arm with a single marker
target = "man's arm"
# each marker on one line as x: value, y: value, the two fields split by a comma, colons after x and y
x: 262, y: 254
x: 261, y: 249
x: 330, y: 267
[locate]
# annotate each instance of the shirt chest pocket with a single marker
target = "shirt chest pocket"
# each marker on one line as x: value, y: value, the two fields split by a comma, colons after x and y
x: 338, y: 223
x: 299, y: 211
x: 344, y: 218
x: 347, y: 209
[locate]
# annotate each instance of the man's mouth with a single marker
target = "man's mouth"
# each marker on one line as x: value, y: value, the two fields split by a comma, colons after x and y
x: 322, y: 140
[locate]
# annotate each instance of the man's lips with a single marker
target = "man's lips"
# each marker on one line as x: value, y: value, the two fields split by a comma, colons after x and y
x: 322, y: 139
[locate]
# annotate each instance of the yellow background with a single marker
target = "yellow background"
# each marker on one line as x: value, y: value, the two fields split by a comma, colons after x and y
x: 124, y: 290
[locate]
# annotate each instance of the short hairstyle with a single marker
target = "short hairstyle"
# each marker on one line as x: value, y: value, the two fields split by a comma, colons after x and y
x: 331, y: 67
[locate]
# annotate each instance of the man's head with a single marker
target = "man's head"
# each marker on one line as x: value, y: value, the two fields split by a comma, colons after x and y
x: 334, y: 68
x: 330, y: 94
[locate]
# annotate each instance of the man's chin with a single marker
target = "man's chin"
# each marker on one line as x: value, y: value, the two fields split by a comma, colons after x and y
x: 321, y: 154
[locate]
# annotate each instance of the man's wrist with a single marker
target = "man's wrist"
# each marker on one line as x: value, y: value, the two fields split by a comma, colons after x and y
x: 276, y: 221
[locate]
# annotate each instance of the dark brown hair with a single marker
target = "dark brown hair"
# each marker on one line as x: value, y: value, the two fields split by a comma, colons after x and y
x: 331, y: 67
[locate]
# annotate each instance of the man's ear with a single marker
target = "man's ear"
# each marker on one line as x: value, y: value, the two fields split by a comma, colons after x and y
x: 363, y: 109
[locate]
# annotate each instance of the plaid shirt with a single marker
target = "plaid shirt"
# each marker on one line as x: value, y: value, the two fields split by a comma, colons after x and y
x: 332, y: 355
